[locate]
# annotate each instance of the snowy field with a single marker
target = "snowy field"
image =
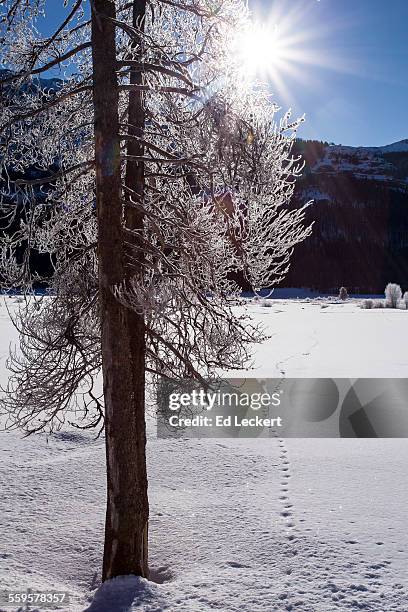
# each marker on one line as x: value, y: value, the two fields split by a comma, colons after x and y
x: 323, y: 338
x: 236, y: 525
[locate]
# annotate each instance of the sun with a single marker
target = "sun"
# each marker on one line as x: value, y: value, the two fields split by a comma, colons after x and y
x: 260, y: 50
x: 288, y: 49
x: 269, y: 52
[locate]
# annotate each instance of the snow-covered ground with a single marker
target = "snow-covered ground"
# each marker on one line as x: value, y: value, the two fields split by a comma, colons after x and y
x: 236, y: 525
x: 324, y: 338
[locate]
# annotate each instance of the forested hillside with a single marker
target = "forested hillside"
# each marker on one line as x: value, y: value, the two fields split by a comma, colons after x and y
x: 360, y: 236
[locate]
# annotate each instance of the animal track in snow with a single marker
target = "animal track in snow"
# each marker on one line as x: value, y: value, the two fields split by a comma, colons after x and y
x: 286, y: 513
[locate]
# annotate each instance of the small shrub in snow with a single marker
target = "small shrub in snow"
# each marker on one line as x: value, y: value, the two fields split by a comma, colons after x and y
x: 265, y: 303
x: 343, y: 295
x: 405, y: 300
x: 393, y: 293
x: 368, y: 304
x: 378, y: 304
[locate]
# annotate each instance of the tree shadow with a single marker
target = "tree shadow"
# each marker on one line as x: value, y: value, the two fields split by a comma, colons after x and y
x: 126, y: 592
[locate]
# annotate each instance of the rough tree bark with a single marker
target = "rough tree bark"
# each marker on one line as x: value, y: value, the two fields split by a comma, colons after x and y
x: 134, y: 180
x: 125, y: 550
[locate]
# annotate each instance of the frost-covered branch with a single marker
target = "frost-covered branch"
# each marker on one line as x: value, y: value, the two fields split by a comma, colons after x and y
x: 207, y: 177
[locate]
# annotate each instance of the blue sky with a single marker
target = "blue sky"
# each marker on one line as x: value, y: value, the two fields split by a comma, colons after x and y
x: 349, y: 73
x: 362, y: 97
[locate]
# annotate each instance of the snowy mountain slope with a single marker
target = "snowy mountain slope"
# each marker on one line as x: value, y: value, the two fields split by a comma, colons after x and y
x: 375, y: 163
x: 396, y: 147
x: 236, y: 525
x: 36, y: 82
x: 360, y: 234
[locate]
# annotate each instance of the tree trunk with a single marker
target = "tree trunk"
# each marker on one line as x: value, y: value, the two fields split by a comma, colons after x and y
x: 123, y: 351
x: 135, y: 170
